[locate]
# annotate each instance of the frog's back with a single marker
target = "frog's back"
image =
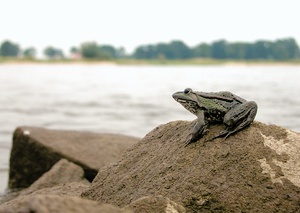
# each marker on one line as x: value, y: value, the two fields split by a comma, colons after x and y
x: 231, y: 96
x: 216, y: 104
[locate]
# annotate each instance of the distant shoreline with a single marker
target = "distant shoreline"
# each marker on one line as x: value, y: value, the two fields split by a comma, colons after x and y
x: 185, y: 62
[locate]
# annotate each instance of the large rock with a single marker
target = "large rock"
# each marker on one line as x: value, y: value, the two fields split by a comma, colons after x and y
x: 255, y: 170
x: 36, y: 150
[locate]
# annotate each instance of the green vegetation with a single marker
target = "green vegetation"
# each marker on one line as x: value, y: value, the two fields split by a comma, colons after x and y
x: 29, y: 53
x: 91, y: 50
x: 9, y: 49
x: 53, y: 53
x: 174, y: 52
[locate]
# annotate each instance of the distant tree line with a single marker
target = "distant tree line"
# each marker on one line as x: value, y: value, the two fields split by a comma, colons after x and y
x: 10, y: 49
x: 92, y: 50
x: 89, y: 50
x: 281, y: 49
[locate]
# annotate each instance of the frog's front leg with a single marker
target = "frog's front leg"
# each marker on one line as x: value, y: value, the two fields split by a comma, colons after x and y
x: 238, y: 118
x: 199, y: 129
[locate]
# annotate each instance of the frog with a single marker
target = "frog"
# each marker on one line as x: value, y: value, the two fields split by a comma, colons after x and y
x: 211, y: 108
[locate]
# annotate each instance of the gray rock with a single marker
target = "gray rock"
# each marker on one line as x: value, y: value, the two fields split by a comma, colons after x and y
x: 57, y: 204
x: 255, y: 170
x: 36, y: 150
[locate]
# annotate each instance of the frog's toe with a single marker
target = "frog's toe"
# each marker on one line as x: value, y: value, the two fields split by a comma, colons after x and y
x: 187, y: 143
x: 227, y: 135
x: 223, y: 132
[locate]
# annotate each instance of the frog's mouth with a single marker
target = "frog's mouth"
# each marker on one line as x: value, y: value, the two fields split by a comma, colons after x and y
x: 190, y: 105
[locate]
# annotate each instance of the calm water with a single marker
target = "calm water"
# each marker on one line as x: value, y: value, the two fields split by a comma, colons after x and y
x: 132, y: 99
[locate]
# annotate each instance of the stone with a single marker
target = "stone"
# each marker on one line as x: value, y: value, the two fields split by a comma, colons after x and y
x: 36, y: 150
x: 254, y: 170
x: 56, y: 204
x: 155, y: 204
x: 63, y: 171
x: 73, y: 189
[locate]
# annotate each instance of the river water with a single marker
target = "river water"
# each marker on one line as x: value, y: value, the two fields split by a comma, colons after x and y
x: 132, y: 100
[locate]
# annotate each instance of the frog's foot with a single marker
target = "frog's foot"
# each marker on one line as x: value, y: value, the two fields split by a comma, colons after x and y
x: 195, y: 136
x: 225, y: 134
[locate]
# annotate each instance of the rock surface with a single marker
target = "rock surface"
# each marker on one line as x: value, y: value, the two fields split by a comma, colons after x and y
x: 64, y: 178
x: 36, y: 150
x: 67, y: 189
x: 57, y: 204
x: 255, y: 170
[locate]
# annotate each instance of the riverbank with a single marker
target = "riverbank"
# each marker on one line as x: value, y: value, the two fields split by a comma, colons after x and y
x: 137, y: 62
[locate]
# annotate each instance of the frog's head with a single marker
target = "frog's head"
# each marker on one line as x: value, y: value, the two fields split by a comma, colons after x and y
x: 188, y: 99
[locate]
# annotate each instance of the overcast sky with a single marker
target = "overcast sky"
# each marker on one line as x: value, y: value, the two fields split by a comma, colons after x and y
x: 129, y: 23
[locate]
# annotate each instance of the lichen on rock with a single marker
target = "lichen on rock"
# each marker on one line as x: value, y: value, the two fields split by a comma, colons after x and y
x: 290, y: 168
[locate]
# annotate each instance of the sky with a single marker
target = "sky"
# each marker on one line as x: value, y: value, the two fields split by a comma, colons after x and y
x: 130, y: 23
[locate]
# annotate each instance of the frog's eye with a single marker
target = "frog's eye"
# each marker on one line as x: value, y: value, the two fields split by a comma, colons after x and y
x: 187, y: 90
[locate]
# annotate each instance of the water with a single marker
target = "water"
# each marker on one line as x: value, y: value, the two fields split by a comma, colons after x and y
x: 132, y: 99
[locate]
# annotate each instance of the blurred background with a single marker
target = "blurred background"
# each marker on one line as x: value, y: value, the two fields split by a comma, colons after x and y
x: 112, y: 66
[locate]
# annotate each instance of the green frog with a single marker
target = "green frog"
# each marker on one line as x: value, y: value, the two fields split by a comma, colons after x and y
x: 216, y: 107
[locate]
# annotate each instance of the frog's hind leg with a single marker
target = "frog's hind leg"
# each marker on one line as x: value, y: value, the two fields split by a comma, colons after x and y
x: 238, y: 118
